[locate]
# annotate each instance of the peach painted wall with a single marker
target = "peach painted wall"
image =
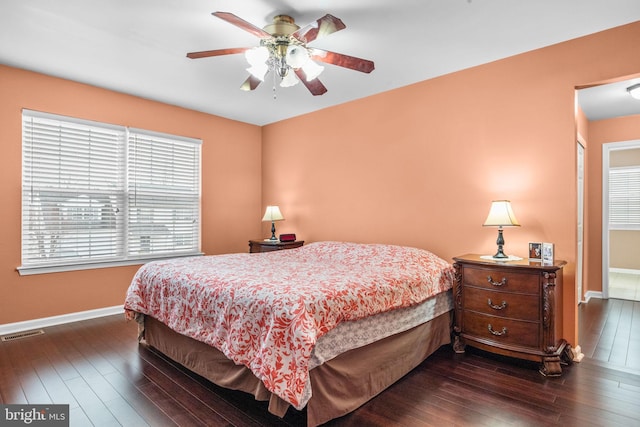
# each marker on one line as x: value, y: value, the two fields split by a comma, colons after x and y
x: 420, y: 165
x: 602, y: 132
x: 231, y: 191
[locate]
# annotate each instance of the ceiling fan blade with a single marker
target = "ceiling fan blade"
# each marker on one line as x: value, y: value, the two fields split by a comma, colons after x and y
x: 341, y: 60
x: 241, y: 23
x: 315, y: 86
x: 251, y: 83
x: 217, y: 52
x: 322, y: 27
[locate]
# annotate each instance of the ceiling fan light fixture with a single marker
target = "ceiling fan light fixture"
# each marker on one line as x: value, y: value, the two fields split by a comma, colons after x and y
x: 283, y: 50
x: 312, y: 70
x: 634, y: 91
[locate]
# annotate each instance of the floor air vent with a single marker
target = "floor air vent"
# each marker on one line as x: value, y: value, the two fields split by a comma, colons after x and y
x: 20, y: 335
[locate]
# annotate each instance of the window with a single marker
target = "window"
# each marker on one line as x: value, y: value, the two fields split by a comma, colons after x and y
x: 624, y: 198
x: 94, y: 193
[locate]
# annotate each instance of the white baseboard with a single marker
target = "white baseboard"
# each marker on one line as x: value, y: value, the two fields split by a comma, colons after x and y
x: 592, y: 294
x: 10, y: 328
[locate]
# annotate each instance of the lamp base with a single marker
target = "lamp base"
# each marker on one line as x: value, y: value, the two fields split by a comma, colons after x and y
x: 500, y: 255
x: 500, y: 242
x: 273, y: 232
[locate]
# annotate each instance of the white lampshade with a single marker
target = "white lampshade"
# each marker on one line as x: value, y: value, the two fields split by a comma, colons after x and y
x: 258, y: 71
x: 272, y: 214
x: 501, y: 215
x: 257, y: 58
x: 257, y: 55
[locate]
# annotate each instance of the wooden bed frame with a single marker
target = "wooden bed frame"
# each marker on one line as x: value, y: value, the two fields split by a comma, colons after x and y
x: 339, y: 386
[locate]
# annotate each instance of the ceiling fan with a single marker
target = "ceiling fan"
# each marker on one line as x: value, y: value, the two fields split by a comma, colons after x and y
x: 283, y: 49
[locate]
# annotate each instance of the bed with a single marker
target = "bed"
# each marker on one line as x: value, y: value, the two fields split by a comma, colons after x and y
x: 322, y: 328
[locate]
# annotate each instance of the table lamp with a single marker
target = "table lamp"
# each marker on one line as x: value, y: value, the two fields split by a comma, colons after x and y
x: 501, y: 215
x: 272, y: 214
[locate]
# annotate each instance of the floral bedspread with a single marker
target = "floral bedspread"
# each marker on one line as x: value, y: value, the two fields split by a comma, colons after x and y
x: 266, y: 310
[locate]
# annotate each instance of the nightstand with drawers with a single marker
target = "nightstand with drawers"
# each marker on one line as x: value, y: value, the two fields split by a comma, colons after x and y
x: 256, y: 246
x: 509, y: 308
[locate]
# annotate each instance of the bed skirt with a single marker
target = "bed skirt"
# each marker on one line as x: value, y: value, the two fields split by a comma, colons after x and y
x: 339, y: 386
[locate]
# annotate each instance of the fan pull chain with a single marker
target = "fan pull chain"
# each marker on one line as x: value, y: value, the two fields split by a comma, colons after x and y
x: 274, y: 85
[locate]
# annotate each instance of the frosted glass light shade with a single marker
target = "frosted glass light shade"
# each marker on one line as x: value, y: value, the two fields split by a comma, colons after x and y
x: 258, y: 71
x: 312, y: 70
x: 257, y: 55
x: 289, y: 80
x: 297, y: 56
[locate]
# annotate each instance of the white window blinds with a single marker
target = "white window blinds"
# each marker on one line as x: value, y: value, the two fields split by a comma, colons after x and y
x: 98, y: 193
x: 624, y: 198
x: 163, y: 194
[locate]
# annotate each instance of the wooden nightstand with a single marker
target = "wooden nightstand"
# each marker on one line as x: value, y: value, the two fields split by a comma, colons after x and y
x: 509, y: 308
x: 256, y: 246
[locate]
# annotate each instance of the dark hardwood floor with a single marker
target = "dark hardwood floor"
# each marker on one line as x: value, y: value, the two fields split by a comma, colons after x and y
x: 98, y: 368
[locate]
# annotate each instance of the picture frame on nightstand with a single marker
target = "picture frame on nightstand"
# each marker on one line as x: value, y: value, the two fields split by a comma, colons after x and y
x: 547, y: 254
x: 535, y: 251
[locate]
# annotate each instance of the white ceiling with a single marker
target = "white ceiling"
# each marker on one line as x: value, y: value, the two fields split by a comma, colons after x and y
x: 139, y: 46
x: 609, y: 100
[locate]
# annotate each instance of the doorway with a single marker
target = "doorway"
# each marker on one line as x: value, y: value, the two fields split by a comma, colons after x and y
x: 621, y: 220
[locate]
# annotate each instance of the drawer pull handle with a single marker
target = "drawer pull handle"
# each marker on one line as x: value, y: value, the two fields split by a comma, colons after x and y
x: 497, y: 307
x: 498, y: 333
x: 500, y: 283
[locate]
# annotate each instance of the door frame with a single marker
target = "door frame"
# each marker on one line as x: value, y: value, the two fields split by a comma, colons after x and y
x: 607, y: 148
x: 580, y: 166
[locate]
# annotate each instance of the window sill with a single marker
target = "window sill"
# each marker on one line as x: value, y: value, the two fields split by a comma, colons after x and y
x: 32, y: 270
